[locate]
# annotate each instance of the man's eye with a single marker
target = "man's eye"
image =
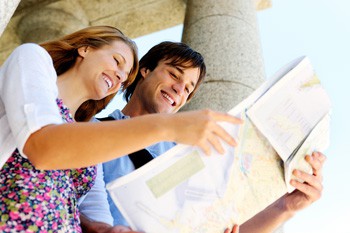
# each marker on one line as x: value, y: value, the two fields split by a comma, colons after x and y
x: 116, y: 60
x: 172, y: 74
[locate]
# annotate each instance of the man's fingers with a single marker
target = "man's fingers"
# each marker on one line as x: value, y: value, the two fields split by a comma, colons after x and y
x: 312, y: 193
x: 311, y: 180
x: 316, y: 161
x: 235, y: 229
x: 315, y: 164
x: 320, y: 156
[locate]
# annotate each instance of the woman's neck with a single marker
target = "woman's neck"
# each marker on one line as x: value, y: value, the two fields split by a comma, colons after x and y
x: 70, y: 91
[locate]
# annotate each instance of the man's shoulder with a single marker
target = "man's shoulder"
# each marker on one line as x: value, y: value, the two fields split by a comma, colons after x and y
x: 118, y: 115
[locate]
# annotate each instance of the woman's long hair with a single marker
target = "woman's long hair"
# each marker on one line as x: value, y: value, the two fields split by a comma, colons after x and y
x: 64, y: 52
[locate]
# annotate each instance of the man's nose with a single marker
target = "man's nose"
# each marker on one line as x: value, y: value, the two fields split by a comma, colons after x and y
x: 179, y: 88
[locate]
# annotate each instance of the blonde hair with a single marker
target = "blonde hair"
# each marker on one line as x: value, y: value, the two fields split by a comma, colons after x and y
x: 64, y: 52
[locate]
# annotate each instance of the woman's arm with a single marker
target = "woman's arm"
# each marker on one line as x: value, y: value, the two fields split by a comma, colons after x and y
x: 83, y: 144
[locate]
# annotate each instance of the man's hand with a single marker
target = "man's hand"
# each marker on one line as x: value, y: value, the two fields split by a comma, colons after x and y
x: 118, y: 229
x: 308, y: 192
x: 89, y: 226
x: 235, y: 229
x: 285, y: 207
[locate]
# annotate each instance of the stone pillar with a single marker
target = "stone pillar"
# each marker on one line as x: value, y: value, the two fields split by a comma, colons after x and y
x: 225, y: 32
x: 7, y: 8
x: 52, y: 21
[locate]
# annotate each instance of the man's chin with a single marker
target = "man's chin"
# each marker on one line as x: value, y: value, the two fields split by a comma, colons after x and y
x: 167, y: 111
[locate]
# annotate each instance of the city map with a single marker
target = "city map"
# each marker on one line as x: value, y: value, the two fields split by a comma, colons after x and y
x: 185, y: 191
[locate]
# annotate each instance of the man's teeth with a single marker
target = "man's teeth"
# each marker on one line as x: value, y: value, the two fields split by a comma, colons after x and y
x: 168, y: 98
x: 108, y: 81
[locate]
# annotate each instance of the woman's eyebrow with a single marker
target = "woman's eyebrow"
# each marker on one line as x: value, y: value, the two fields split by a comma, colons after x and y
x: 123, y: 58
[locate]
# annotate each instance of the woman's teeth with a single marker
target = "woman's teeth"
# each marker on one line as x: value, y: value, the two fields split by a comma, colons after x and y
x: 108, y: 81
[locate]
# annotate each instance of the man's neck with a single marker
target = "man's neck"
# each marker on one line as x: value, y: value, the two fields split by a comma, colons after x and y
x: 134, y: 108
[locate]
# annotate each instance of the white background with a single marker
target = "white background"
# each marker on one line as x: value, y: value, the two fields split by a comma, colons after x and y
x: 319, y: 29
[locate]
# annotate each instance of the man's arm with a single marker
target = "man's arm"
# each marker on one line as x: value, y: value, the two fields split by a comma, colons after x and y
x: 89, y: 226
x: 288, y: 205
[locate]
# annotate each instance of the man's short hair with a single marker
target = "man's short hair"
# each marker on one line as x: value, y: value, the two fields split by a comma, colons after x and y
x: 178, y: 54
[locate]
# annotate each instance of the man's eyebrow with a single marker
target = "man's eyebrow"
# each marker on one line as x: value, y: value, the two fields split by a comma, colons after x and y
x: 177, y: 68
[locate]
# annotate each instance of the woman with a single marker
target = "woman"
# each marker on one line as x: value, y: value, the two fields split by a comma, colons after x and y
x: 43, y: 178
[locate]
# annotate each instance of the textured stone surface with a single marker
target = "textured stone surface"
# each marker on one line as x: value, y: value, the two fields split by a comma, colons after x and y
x: 51, y: 21
x: 27, y: 5
x: 144, y: 17
x: 38, y: 20
x: 225, y: 33
x: 219, y: 96
x: 7, y: 8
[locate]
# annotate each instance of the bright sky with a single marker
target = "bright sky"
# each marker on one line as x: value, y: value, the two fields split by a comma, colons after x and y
x: 319, y: 29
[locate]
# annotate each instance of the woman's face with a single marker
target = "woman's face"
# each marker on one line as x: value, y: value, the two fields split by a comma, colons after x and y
x: 103, y: 70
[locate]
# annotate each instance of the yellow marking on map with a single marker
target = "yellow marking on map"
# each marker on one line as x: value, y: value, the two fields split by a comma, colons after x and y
x: 175, y: 174
x: 313, y: 81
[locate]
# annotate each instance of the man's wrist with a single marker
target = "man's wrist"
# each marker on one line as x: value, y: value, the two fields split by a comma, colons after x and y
x: 281, y: 208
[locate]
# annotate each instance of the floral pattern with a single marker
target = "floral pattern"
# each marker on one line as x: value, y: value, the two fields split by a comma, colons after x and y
x: 33, y: 200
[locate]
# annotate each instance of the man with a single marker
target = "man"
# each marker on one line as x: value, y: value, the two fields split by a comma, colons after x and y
x: 169, y: 75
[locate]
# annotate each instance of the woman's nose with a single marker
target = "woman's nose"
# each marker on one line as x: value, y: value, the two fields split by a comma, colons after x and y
x: 121, y: 76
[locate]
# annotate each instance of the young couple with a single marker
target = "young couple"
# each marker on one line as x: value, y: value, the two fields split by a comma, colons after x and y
x: 48, y: 162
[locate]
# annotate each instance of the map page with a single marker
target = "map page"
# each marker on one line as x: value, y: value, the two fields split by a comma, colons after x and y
x: 289, y: 111
x: 185, y: 191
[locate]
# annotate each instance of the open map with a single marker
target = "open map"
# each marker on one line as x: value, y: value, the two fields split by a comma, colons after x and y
x: 185, y: 191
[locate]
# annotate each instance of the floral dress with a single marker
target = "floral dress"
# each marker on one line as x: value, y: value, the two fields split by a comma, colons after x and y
x: 34, y: 200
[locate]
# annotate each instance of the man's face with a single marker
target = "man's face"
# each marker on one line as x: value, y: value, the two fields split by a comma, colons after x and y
x: 166, y: 88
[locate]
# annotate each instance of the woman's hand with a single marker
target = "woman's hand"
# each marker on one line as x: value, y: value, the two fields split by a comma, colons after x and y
x: 201, y: 128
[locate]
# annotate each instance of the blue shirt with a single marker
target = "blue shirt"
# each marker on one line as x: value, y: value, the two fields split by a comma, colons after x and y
x: 122, y: 166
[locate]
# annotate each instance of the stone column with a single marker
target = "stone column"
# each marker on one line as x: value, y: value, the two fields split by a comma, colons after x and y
x: 7, y: 8
x: 225, y: 32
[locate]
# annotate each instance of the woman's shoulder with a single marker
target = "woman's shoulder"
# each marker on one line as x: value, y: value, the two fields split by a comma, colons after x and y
x: 31, y: 49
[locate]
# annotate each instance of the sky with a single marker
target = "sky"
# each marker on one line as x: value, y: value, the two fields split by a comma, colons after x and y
x: 320, y: 30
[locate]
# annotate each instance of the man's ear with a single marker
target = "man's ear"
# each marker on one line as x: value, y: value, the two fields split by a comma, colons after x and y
x: 82, y: 51
x: 144, y: 71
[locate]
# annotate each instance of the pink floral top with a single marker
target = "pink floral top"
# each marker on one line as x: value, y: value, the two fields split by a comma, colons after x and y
x: 34, y: 200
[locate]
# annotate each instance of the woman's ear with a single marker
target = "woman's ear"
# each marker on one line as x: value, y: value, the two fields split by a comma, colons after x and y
x: 144, y: 72
x: 82, y: 51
